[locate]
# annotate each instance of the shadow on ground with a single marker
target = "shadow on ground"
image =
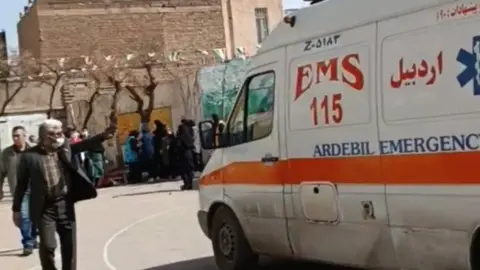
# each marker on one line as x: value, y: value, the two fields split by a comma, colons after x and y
x: 209, y: 264
x: 11, y: 253
x: 146, y: 193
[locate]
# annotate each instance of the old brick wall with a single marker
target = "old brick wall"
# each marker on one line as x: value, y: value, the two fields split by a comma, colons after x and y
x: 111, y: 33
x: 29, y: 33
x: 3, y: 53
x: 179, y: 93
x: 76, y: 27
x: 34, y: 97
x: 190, y: 31
x: 79, y: 4
x: 72, y: 28
x: 3, y: 46
x: 183, y: 101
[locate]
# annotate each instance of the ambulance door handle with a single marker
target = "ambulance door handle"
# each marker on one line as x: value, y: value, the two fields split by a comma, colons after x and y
x: 269, y: 159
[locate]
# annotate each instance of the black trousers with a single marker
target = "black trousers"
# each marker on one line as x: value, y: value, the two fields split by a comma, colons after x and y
x: 187, y: 168
x: 162, y: 168
x: 58, y: 217
x: 150, y: 166
x: 198, y: 161
x: 134, y: 173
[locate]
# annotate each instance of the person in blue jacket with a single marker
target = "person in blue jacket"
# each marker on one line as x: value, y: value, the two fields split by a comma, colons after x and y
x: 147, y: 152
x: 131, y: 153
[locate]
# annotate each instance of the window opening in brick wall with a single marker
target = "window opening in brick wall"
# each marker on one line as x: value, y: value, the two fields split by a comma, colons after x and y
x: 261, y: 20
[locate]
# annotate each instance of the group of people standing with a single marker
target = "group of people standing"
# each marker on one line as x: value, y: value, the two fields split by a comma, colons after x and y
x: 93, y: 160
x: 47, y: 179
x: 164, y: 154
x: 9, y: 159
x: 49, y: 175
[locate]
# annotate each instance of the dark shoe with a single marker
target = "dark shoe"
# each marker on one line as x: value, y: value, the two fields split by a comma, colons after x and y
x: 27, y: 252
x: 185, y: 187
x: 35, y: 245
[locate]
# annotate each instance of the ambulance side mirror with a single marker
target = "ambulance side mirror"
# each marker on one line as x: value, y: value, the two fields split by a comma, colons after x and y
x: 210, y: 138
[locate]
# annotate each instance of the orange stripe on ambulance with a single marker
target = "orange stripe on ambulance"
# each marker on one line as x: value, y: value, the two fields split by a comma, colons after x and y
x: 367, y: 153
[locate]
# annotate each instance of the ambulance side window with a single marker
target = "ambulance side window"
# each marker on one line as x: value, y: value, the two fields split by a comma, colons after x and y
x: 252, y: 117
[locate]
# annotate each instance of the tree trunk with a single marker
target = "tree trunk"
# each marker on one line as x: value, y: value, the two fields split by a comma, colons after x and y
x: 52, y: 95
x: 10, y: 97
x: 90, y: 109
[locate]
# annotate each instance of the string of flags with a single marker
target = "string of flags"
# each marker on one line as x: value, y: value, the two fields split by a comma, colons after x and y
x: 220, y: 54
x: 89, y: 64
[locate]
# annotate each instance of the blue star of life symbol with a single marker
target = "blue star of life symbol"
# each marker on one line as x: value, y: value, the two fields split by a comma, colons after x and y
x: 471, y: 61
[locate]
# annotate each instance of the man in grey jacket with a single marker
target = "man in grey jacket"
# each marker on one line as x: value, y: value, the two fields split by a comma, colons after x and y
x: 8, y: 168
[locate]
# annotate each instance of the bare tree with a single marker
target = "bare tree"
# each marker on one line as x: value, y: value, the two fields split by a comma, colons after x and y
x: 144, y: 65
x: 13, y: 72
x: 26, y: 69
x: 107, y: 70
x: 148, y: 65
x: 90, y: 103
x: 187, y: 86
x: 113, y: 107
x: 138, y: 74
x: 182, y: 71
x: 185, y: 74
x: 54, y: 72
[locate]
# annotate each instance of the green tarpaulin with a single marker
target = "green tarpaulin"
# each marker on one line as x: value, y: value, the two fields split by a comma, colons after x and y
x: 220, y: 84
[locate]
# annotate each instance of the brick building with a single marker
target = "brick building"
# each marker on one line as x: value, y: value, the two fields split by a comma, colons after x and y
x: 59, y: 28
x: 70, y: 28
x: 3, y: 46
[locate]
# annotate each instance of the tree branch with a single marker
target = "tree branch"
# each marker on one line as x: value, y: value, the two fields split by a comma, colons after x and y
x: 90, y: 108
x: 151, y: 77
x: 42, y: 64
x: 10, y: 97
x: 150, y: 92
x: 196, y: 87
x: 178, y: 81
x: 52, y: 94
x: 113, y: 106
x: 135, y: 97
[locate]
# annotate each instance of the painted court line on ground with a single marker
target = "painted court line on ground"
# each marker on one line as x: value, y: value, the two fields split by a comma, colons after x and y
x: 106, y: 260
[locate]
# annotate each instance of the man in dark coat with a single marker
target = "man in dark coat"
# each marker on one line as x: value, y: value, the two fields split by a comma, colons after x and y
x: 56, y: 183
x: 8, y: 169
x: 185, y: 149
x: 161, y: 146
x: 173, y: 155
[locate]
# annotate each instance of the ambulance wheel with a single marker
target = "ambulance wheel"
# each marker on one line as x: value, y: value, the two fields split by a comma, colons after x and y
x: 230, y: 246
x: 475, y: 251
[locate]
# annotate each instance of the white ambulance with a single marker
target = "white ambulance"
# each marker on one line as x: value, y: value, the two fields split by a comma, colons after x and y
x: 354, y: 140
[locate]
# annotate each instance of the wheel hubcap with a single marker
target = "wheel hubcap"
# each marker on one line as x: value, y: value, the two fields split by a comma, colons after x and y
x: 226, y: 241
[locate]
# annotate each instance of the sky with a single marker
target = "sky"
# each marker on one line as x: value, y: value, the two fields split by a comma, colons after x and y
x: 9, y: 10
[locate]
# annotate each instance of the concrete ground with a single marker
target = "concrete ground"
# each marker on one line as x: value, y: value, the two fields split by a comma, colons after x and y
x: 143, y: 227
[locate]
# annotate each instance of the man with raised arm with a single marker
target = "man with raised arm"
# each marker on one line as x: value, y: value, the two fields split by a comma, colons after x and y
x: 56, y: 184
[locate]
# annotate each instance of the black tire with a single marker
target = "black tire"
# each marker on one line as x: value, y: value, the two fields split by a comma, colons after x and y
x: 230, y: 246
x: 475, y: 253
